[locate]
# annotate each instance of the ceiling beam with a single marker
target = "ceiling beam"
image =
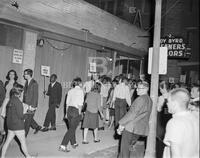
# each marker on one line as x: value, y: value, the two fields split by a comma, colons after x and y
x: 77, y: 37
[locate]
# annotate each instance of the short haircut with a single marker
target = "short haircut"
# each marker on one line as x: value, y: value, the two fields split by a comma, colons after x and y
x: 54, y: 75
x: 115, y: 81
x: 8, y: 77
x: 181, y: 95
x: 144, y: 84
x: 96, y: 88
x: 29, y: 72
x: 77, y: 81
x: 16, y: 90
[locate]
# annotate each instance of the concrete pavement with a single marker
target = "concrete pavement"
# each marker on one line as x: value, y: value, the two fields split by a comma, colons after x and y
x: 45, y: 144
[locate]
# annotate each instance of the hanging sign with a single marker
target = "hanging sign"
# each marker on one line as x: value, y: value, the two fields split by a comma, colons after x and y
x: 176, y: 47
x: 93, y: 67
x: 17, y: 56
x: 45, y: 70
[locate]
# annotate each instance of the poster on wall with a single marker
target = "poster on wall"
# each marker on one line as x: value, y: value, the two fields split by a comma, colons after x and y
x: 45, y: 70
x: 17, y: 56
x: 93, y: 67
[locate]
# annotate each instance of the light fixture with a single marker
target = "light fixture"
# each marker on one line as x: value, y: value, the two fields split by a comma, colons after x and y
x: 40, y: 42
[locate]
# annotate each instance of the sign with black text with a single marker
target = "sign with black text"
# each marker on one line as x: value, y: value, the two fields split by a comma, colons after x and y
x: 17, y: 56
x: 45, y: 70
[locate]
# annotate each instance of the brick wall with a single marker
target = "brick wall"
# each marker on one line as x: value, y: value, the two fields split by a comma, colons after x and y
x: 173, y: 25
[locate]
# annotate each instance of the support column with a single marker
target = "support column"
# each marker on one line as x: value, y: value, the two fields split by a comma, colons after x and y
x: 114, y: 61
x: 30, y: 40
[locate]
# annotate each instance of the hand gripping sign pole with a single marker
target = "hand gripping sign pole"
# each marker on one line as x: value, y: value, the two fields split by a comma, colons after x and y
x: 151, y: 140
x: 44, y: 91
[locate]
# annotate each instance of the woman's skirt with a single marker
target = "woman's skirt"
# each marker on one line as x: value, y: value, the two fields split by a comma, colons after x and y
x: 90, y: 120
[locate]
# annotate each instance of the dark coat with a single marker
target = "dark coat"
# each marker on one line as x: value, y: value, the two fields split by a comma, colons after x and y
x: 136, y: 119
x: 31, y: 93
x: 14, y: 113
x: 55, y: 94
x: 2, y: 93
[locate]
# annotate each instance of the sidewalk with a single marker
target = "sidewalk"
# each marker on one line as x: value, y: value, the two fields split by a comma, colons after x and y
x: 112, y: 152
x: 45, y: 144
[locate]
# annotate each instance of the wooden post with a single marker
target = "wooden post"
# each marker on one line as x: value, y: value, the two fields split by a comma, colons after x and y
x: 151, y: 140
x: 113, y: 66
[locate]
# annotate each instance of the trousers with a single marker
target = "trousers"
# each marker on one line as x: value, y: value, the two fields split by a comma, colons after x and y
x: 127, y: 140
x: 120, y: 109
x: 73, y: 122
x: 30, y: 122
x: 50, y: 116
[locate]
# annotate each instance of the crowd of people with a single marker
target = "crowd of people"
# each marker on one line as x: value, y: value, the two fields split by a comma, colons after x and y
x: 122, y: 104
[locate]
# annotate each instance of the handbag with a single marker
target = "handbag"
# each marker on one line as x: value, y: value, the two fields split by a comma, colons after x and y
x: 84, y: 107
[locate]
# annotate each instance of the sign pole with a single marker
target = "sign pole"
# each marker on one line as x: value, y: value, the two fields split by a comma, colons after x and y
x: 151, y: 140
x: 44, y: 92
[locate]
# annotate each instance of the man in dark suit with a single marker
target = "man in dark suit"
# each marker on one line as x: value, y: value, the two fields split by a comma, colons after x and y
x: 31, y: 99
x: 136, y: 121
x: 55, y: 95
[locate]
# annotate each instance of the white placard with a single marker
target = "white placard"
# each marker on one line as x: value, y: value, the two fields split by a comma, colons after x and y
x: 45, y: 70
x: 93, y: 67
x: 162, y: 60
x: 17, y: 56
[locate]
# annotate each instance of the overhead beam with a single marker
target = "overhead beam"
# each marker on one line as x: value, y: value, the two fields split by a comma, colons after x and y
x: 78, y: 36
